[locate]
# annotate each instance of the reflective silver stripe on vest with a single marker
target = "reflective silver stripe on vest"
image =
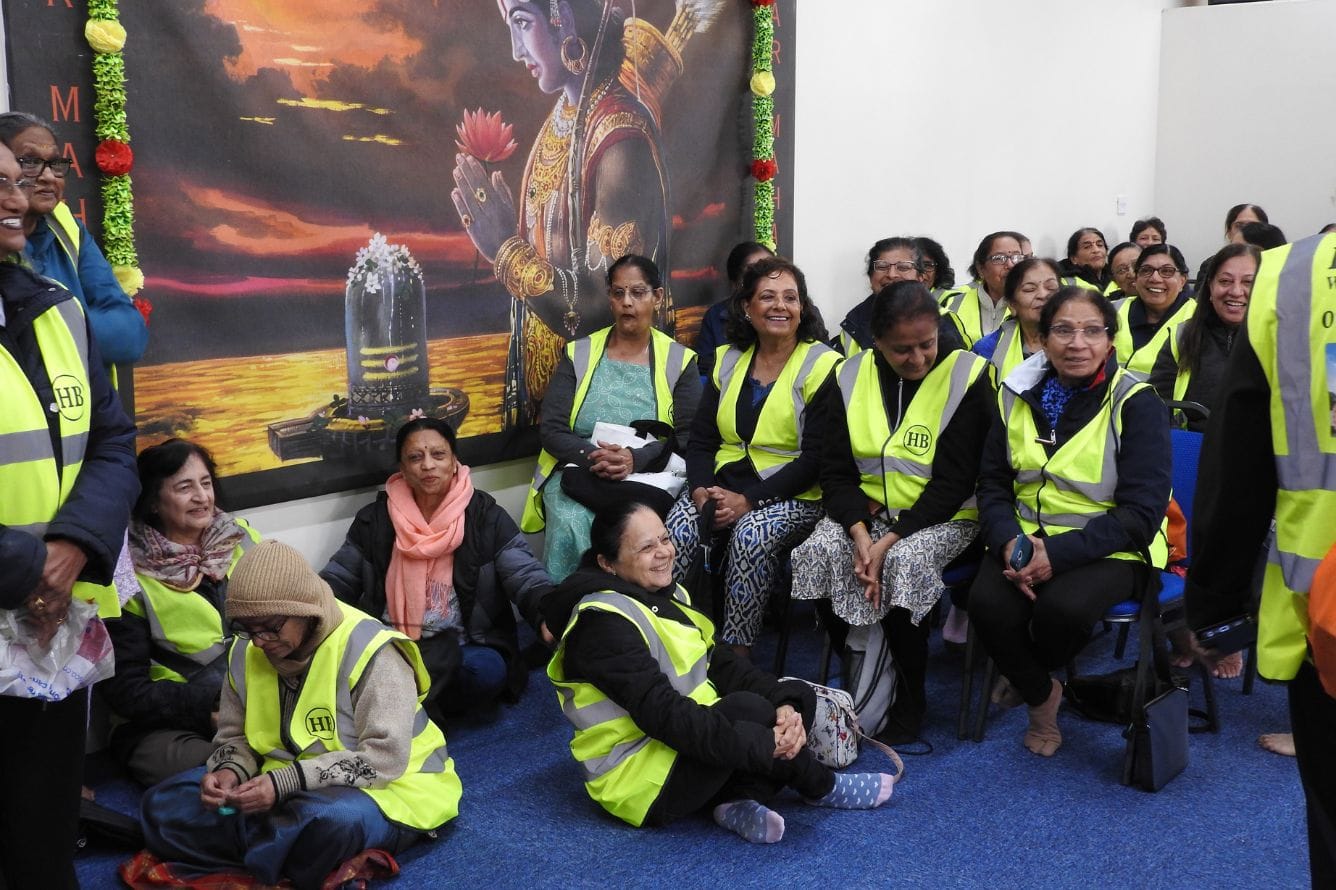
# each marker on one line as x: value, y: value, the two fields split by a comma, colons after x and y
x: 1069, y: 520
x: 361, y: 637
x: 728, y: 363
x: 847, y: 377
x: 1010, y: 331
x: 73, y: 448
x: 1305, y: 468
x: 605, y: 710
x: 1297, y: 570
x: 799, y: 413
x: 36, y: 529
x: 236, y: 666
x: 203, y: 657
x: 676, y: 363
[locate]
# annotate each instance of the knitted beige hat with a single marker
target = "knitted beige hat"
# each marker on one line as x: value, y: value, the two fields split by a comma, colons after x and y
x: 272, y: 579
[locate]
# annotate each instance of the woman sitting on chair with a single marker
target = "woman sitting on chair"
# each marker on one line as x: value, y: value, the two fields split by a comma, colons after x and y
x: 1073, y: 488
x: 1150, y: 319
x: 1028, y: 287
x: 754, y: 447
x: 903, y: 433
x: 666, y: 722
x: 621, y: 374
x: 323, y: 749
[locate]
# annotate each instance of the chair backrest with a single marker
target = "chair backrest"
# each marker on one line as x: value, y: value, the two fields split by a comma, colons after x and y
x: 1186, y: 452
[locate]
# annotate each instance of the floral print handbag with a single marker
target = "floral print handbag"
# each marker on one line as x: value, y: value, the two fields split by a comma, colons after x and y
x: 833, y: 738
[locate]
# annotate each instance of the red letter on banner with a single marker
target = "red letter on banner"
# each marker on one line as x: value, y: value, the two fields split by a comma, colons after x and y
x: 67, y: 110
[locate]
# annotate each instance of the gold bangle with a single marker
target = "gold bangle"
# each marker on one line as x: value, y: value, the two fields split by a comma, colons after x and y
x: 523, y: 272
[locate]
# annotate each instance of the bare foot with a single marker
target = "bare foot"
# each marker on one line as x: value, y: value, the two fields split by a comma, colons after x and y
x: 1005, y: 694
x: 1042, y: 737
x: 1281, y: 743
x: 1229, y: 667
x: 88, y: 793
x: 1180, y: 646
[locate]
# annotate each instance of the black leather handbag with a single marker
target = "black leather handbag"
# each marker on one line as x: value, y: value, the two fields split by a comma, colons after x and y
x: 1157, y: 739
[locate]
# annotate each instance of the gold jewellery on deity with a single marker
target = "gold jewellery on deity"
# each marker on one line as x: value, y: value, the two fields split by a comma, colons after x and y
x: 523, y: 272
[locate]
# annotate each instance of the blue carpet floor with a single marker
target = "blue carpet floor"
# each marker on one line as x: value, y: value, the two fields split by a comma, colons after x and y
x: 966, y: 815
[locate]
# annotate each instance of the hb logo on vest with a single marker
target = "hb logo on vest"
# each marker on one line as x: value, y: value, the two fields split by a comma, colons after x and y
x: 918, y: 439
x: 320, y: 723
x: 69, y: 393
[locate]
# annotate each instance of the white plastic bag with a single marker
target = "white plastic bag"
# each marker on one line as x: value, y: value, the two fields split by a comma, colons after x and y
x: 78, y: 655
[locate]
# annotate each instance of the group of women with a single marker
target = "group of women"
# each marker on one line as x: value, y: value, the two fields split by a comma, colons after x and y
x: 288, y: 720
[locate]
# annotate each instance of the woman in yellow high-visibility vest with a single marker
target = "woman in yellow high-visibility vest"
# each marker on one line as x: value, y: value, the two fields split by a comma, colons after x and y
x: 668, y: 723
x: 1148, y: 320
x: 170, y: 639
x: 1073, y: 484
x: 1087, y: 258
x: 323, y: 748
x: 1123, y: 268
x: 1028, y: 287
x: 754, y: 444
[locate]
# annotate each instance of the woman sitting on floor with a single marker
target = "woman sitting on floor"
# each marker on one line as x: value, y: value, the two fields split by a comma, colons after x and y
x: 900, y: 457
x: 666, y: 722
x: 1075, y: 473
x: 442, y: 563
x: 323, y: 749
x: 628, y: 372
x: 754, y: 447
x: 170, y: 639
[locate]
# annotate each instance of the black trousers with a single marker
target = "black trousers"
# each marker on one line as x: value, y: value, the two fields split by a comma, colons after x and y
x: 693, y: 784
x: 1313, y: 719
x: 42, y: 754
x: 1027, y: 640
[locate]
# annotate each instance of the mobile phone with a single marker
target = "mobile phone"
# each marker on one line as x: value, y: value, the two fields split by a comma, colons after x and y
x: 1022, y: 553
x: 1228, y: 637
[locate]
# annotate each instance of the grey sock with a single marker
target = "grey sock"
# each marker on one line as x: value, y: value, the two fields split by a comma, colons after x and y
x: 751, y: 821
x: 858, y: 791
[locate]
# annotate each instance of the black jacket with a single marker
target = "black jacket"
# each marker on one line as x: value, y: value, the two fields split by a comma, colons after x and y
x: 494, y: 567
x: 1100, y: 278
x: 1204, y: 385
x: 160, y: 704
x: 608, y: 652
x: 1144, y: 477
x: 96, y: 512
x: 955, y: 465
x: 858, y: 324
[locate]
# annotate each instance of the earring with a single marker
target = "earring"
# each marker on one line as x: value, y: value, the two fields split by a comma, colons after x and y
x: 574, y: 64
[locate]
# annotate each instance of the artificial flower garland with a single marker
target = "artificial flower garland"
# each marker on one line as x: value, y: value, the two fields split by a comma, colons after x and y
x: 113, y: 157
x: 763, y: 167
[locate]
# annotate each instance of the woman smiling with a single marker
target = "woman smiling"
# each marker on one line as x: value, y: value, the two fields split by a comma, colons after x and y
x: 1147, y: 321
x: 754, y: 445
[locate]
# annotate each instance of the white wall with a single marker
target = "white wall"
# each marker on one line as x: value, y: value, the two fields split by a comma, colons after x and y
x: 1246, y: 99
x: 954, y: 118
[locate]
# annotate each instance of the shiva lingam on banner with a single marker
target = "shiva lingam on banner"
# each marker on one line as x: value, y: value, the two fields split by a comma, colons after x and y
x: 385, y: 326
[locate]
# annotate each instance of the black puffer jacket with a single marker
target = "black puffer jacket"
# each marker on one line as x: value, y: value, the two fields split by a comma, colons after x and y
x: 608, y: 652
x: 1217, y: 341
x: 494, y: 567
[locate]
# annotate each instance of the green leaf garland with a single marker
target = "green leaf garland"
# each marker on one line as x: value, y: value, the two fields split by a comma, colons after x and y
x: 763, y: 119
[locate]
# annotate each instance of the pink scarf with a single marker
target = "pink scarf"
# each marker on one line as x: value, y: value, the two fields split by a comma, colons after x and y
x: 424, y: 550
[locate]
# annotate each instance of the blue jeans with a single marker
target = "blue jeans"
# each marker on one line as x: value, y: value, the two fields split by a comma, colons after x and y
x: 303, y: 838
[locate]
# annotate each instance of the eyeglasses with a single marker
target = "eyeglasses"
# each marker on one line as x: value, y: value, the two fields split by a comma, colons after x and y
x: 928, y: 266
x: 33, y: 166
x: 637, y: 293
x: 1125, y: 269
x: 1152, y: 271
x: 11, y: 186
x: 901, y: 266
x: 262, y: 634
x: 1066, y: 333
x: 998, y: 259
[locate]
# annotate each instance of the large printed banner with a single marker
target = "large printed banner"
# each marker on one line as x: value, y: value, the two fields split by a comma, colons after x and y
x: 354, y: 213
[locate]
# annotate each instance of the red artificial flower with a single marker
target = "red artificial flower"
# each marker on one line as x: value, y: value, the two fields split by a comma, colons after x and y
x: 114, y: 157
x: 763, y: 2
x: 144, y: 306
x: 485, y: 136
x: 764, y: 170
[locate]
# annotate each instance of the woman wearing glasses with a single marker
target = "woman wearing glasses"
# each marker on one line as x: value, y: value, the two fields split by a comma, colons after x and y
x: 59, y: 246
x: 1123, y: 269
x: 620, y: 374
x: 1147, y: 321
x: 1073, y: 488
x: 323, y: 748
x: 440, y: 562
x: 1027, y: 288
x: 170, y: 638
x: 891, y: 260
x: 980, y: 306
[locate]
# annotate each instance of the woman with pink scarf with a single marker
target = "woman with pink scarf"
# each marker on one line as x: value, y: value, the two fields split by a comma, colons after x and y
x: 170, y: 638
x: 441, y: 562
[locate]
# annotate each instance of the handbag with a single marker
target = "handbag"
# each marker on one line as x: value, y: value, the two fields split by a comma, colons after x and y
x: 1157, y: 739
x: 834, y: 734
